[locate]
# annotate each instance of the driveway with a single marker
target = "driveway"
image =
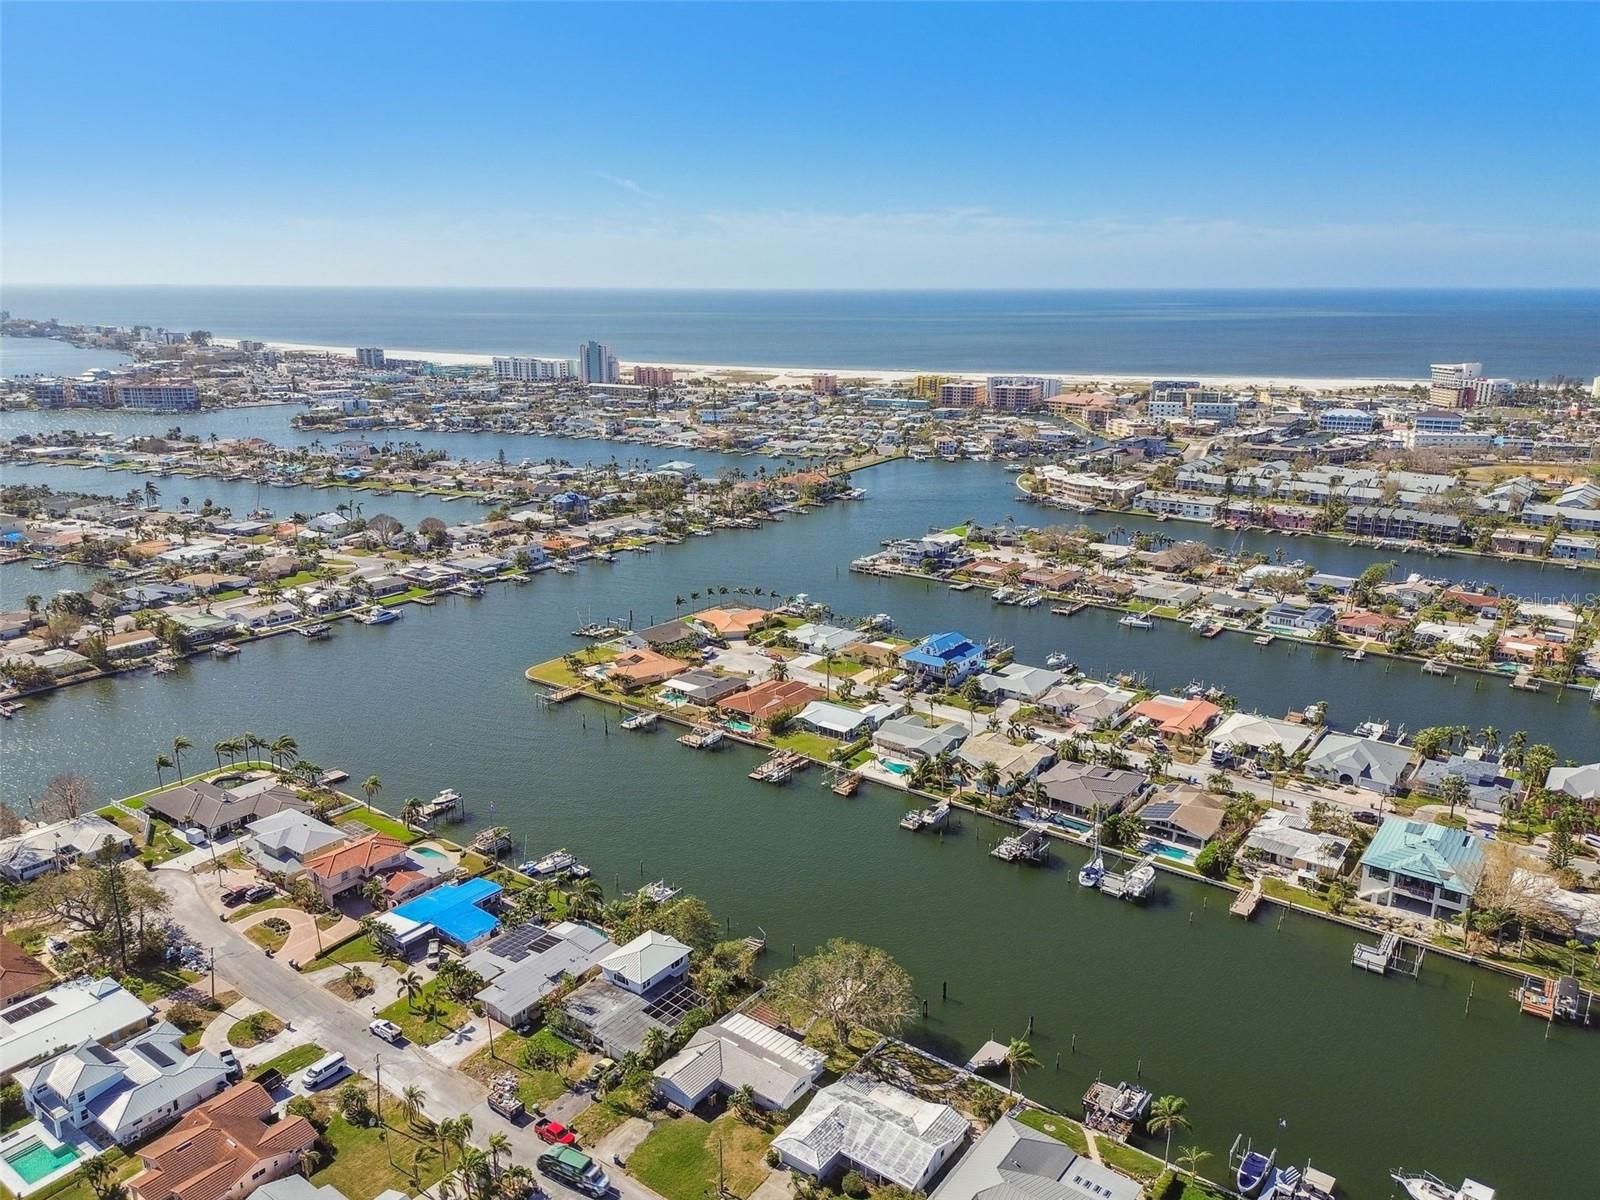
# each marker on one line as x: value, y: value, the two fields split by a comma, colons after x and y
x: 305, y: 941
x: 315, y: 1015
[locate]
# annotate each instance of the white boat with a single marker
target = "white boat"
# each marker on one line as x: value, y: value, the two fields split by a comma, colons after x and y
x: 659, y: 892
x: 641, y: 721
x: 551, y: 864
x: 1137, y: 621
x: 377, y: 615
x: 1057, y: 661
x: 465, y: 588
x: 1200, y: 624
x: 1094, y: 870
x: 566, y: 569
x: 1252, y: 1167
x: 1425, y: 1186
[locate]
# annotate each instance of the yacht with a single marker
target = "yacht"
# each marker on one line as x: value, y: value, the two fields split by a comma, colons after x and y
x: 1057, y: 661
x: 378, y: 615
x: 1137, y: 621
x: 1424, y: 1186
x: 553, y: 863
x: 659, y: 892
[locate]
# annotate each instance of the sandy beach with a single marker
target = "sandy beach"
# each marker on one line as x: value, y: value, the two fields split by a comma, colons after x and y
x: 801, y: 376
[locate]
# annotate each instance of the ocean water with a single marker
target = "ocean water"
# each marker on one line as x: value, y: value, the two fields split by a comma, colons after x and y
x: 1392, y: 334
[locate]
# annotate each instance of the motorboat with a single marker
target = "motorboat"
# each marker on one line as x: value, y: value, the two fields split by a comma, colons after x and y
x: 553, y: 863
x: 1137, y: 621
x: 1057, y: 661
x: 1253, y: 1169
x: 378, y: 615
x: 659, y: 892
x: 1425, y: 1186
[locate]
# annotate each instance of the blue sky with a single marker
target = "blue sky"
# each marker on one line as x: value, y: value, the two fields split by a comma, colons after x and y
x: 808, y: 146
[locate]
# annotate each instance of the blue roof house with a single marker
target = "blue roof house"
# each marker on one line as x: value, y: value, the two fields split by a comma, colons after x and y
x: 572, y: 505
x: 1421, y: 868
x: 947, y: 656
x: 454, y: 910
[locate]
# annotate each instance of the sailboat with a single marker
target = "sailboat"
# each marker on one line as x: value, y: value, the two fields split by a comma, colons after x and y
x: 1094, y: 870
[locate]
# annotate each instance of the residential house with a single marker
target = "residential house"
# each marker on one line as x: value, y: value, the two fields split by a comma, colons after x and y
x: 732, y: 622
x: 1014, y: 762
x: 1422, y: 868
x: 523, y: 965
x: 456, y: 912
x: 280, y: 843
x: 1012, y: 1160
x: 1297, y: 620
x: 875, y: 1129
x: 1184, y: 814
x: 643, y: 667
x: 1581, y: 783
x: 1176, y: 716
x: 1351, y: 761
x: 1084, y: 789
x: 58, y: 846
x: 642, y: 986
x: 220, y: 811
x: 834, y: 720
x: 1091, y: 705
x: 1017, y: 682
x: 769, y: 698
x: 914, y: 737
x: 705, y: 687
x: 1256, y: 735
x: 21, y: 975
x: 121, y: 1095
x: 67, y: 1016
x: 223, y: 1150
x: 1488, y: 787
x: 737, y: 1052
x: 1286, y: 839
x: 944, y: 657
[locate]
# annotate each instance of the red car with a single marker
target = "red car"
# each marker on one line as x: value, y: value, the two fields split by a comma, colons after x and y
x: 554, y: 1132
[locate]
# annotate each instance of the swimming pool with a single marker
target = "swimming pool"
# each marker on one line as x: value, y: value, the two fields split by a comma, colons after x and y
x: 39, y: 1160
x: 428, y: 852
x: 1165, y: 851
x: 898, y: 768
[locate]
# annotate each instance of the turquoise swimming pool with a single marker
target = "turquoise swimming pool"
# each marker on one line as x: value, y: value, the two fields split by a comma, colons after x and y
x: 39, y: 1160
x: 898, y: 768
x: 428, y: 852
x: 1176, y: 853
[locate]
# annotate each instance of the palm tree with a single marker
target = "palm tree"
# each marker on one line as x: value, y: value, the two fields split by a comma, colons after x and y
x: 410, y: 985
x: 425, y: 1153
x: 372, y: 891
x: 284, y: 748
x: 411, y: 811
x: 499, y: 1144
x: 354, y: 977
x: 445, y: 1131
x: 411, y: 1098
x: 1020, y: 1059
x: 371, y: 786
x: 220, y: 748
x: 1167, y: 1114
x: 310, y: 1160
x: 989, y: 777
x: 1190, y: 1158
x: 95, y: 1172
x: 179, y: 745
x: 656, y: 1043
x: 583, y: 898
x: 162, y: 763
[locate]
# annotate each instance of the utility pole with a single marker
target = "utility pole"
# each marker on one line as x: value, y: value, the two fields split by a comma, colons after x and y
x: 213, y: 973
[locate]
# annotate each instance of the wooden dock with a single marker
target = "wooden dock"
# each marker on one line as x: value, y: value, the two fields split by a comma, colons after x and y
x: 1392, y: 953
x: 562, y: 695
x: 1245, y: 903
x: 845, y: 784
x: 1032, y: 845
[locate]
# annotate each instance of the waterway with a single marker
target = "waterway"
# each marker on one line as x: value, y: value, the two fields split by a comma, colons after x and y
x: 1254, y: 1024
x: 49, y: 356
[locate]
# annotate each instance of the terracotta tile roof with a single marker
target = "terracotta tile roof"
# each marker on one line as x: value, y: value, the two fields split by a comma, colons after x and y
x: 217, y: 1145
x: 401, y: 880
x: 20, y: 972
x: 733, y: 620
x: 645, y: 666
x: 364, y: 853
x: 772, y: 696
x: 1178, y: 717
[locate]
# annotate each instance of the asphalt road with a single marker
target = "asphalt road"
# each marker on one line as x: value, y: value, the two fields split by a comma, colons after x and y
x: 315, y: 1015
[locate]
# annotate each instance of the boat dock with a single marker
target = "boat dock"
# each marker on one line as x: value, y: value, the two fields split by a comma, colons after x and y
x: 562, y: 695
x: 779, y: 767
x: 645, y: 719
x: 492, y: 842
x: 702, y: 737
x: 1069, y: 610
x: 1435, y: 666
x: 1525, y: 681
x: 1392, y: 953
x: 1136, y: 884
x: 1245, y: 903
x: 445, y: 803
x: 935, y: 816
x: 843, y: 782
x: 1032, y: 845
x: 1555, y: 999
x: 1115, y: 1112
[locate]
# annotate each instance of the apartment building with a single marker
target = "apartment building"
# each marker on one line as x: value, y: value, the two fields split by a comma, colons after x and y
x: 158, y: 395
x: 532, y: 370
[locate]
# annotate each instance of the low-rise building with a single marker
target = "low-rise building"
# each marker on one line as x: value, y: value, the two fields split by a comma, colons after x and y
x: 1421, y: 868
x: 223, y: 1150
x: 1286, y: 839
x: 340, y: 869
x: 736, y: 1052
x: 1084, y: 789
x: 1184, y: 814
x: 58, y: 846
x: 1352, y: 761
x: 1012, y: 1160
x: 874, y: 1128
x: 65, y: 1017
x: 522, y: 966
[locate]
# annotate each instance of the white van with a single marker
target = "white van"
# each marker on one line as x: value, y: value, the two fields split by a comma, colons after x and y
x: 326, y: 1069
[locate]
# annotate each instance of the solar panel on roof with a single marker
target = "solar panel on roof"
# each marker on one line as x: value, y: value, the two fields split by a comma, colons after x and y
x: 155, y: 1054
x: 37, y: 1005
x: 518, y: 944
x: 102, y: 1055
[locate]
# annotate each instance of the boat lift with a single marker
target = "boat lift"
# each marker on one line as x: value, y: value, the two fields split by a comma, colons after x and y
x: 1392, y: 953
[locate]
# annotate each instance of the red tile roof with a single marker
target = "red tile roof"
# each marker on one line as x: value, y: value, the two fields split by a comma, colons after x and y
x: 217, y: 1145
x: 365, y: 853
x: 20, y: 973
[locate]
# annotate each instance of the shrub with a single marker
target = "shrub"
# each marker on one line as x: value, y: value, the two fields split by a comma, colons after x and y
x: 853, y: 1184
x: 1214, y: 860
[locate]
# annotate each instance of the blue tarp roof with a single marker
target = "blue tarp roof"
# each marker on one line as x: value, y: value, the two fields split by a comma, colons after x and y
x: 941, y: 648
x: 453, y: 909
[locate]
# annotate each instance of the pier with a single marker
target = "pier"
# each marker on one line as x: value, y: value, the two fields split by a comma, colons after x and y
x: 1135, y: 885
x: 562, y: 695
x: 779, y: 767
x: 702, y: 737
x: 935, y: 816
x: 1115, y: 1112
x: 1392, y: 953
x: 1245, y: 903
x: 1032, y: 845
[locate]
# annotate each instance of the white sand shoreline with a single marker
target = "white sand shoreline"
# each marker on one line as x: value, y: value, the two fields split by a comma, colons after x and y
x: 802, y: 375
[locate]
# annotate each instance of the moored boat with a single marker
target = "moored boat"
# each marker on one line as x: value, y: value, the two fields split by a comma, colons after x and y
x: 1137, y: 621
x: 1252, y: 1167
x: 1425, y: 1186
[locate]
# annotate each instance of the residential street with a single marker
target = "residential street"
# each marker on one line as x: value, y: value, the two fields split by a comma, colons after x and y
x: 315, y: 1015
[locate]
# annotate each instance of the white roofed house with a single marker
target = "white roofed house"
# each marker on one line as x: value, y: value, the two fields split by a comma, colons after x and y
x: 1017, y: 682
x: 875, y: 1129
x: 1353, y: 761
x: 1013, y: 1162
x: 280, y: 843
x: 1286, y: 839
x: 739, y: 1051
x: 1581, y: 783
x: 1259, y: 734
x: 26, y: 856
x: 65, y: 1017
x: 525, y: 964
x: 914, y: 737
x: 1015, y: 763
x: 642, y: 986
x: 645, y: 963
x: 834, y: 720
x: 125, y: 1094
x: 817, y: 638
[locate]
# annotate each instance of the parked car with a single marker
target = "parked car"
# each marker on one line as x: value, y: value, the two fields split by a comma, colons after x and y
x: 599, y: 1069
x: 1362, y: 816
x: 574, y: 1168
x: 554, y: 1132
x: 231, y: 1061
x: 258, y: 892
x: 234, y: 897
x: 387, y: 1030
x: 324, y: 1071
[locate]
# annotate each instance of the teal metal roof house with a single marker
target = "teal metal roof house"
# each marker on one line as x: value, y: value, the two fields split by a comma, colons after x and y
x: 1421, y: 868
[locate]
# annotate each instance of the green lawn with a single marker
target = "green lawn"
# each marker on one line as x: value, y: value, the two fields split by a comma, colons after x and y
x: 360, y: 949
x: 268, y: 938
x: 810, y: 744
x: 382, y: 822
x: 291, y: 1061
x: 679, y: 1158
x: 411, y: 1022
x: 1060, y: 1128
x: 1128, y: 1160
x: 244, y: 911
x: 363, y: 1163
x: 156, y: 982
x: 253, y: 1030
